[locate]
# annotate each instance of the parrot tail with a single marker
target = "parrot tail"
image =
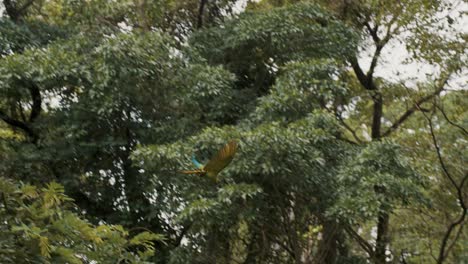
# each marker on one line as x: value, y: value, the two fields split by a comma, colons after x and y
x: 200, y: 172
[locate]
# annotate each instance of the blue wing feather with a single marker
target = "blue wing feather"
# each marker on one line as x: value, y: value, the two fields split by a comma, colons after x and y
x: 197, y: 164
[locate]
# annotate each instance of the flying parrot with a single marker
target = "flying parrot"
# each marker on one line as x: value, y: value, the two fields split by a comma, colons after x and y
x: 216, y: 163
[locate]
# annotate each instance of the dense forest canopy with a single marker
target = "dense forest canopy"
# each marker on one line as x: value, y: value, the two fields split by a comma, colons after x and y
x: 339, y: 160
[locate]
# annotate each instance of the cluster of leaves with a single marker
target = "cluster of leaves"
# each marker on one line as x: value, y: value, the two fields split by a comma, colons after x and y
x: 301, y: 88
x: 40, y: 225
x: 256, y: 44
x: 379, y: 166
x: 14, y: 37
x: 125, y: 81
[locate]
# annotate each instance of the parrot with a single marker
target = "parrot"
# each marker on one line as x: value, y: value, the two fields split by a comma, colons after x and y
x: 216, y: 164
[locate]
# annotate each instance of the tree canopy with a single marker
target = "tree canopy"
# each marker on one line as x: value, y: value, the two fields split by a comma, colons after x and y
x: 339, y: 159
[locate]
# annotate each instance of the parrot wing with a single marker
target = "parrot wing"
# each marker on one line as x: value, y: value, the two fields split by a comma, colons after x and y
x: 221, y: 159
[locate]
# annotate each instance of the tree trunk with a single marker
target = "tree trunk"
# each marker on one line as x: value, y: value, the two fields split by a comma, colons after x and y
x: 377, y: 115
x: 382, y: 238
x: 201, y: 10
x: 383, y: 217
x: 328, y: 247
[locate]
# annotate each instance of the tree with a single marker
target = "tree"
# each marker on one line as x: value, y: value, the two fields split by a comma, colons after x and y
x: 101, y: 102
x: 111, y: 101
x: 382, y: 22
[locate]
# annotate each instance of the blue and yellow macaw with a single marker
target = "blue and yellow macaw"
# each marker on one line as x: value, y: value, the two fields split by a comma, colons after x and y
x: 215, y: 164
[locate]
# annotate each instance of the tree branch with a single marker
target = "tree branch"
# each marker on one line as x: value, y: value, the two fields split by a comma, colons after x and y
x: 36, y: 109
x: 443, y: 252
x: 352, y: 131
x: 416, y: 106
x: 375, y: 58
x: 457, y: 236
x: 290, y: 251
x: 372, y: 31
x: 379, y: 44
x: 450, y: 122
x: 17, y: 124
x: 21, y: 112
x: 365, y: 82
x: 362, y: 242
x: 179, y: 238
x: 36, y: 101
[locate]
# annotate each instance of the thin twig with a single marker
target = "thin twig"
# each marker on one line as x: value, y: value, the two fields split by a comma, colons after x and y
x: 450, y: 122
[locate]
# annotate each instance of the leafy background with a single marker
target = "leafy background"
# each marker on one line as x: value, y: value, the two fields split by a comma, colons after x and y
x: 339, y: 160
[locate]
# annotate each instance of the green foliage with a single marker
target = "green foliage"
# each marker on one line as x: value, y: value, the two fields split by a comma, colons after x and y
x: 124, y: 81
x: 286, y: 161
x: 378, y: 166
x: 111, y: 101
x: 301, y: 88
x: 16, y: 38
x: 255, y: 44
x: 39, y: 225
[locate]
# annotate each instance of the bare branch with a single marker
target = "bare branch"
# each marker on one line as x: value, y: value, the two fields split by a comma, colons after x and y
x: 352, y: 131
x: 365, y: 82
x: 455, y: 239
x: 439, y: 155
x: 375, y: 58
x: 450, y: 122
x: 379, y: 43
x: 362, y: 242
x: 416, y: 106
x: 372, y: 31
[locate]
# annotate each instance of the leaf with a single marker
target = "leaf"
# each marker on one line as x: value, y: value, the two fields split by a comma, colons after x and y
x: 44, y: 246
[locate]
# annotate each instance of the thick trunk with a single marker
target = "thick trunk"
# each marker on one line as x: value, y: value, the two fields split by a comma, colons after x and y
x: 201, y: 10
x: 328, y: 247
x: 382, y: 237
